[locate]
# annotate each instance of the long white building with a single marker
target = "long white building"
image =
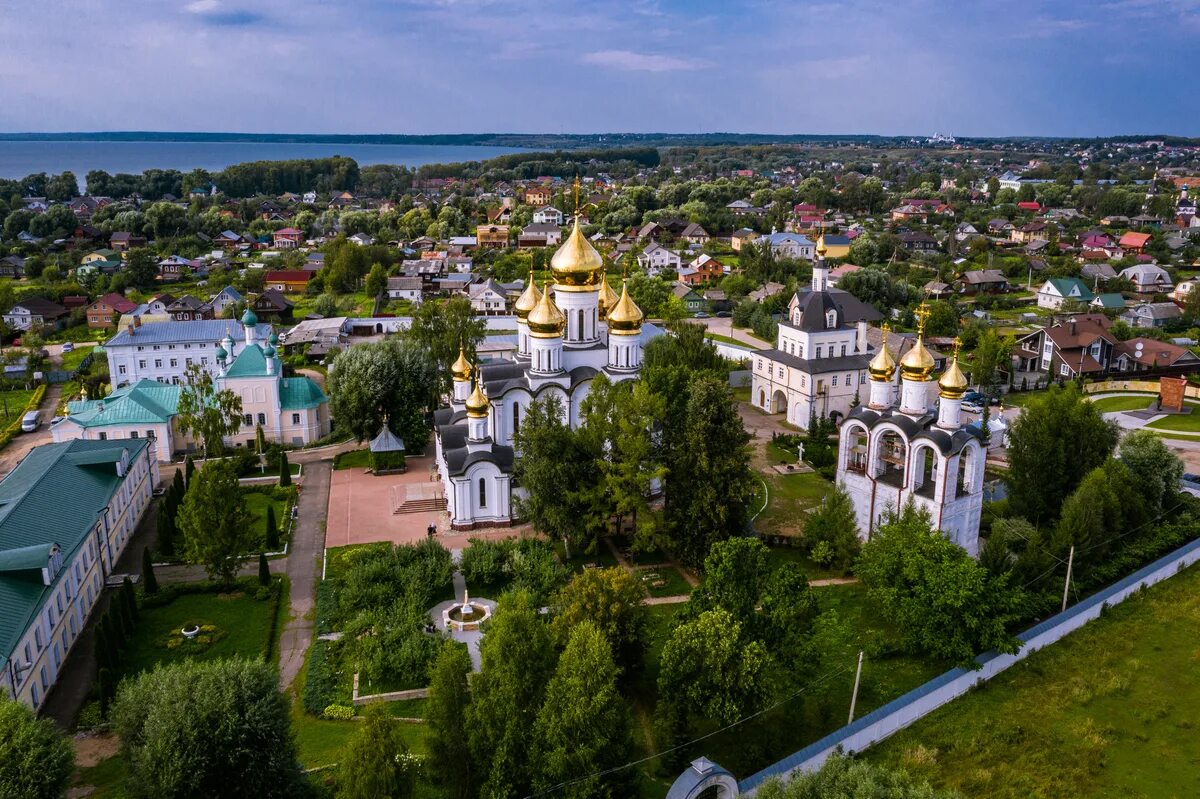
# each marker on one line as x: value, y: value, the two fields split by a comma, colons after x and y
x: 162, y: 351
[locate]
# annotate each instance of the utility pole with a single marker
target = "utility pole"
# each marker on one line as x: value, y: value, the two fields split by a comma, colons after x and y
x: 854, y: 696
x: 1067, y: 584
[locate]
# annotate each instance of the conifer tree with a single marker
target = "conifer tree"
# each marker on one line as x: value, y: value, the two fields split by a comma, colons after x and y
x: 149, y: 581
x: 264, y: 571
x: 285, y: 470
x: 272, y: 532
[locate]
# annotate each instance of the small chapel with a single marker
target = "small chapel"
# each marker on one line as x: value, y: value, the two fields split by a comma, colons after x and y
x: 897, y: 449
x: 568, y: 332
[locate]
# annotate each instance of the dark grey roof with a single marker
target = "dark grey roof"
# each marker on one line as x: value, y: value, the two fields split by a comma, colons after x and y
x: 813, y: 306
x: 817, y: 366
x: 918, y: 429
x: 459, y: 458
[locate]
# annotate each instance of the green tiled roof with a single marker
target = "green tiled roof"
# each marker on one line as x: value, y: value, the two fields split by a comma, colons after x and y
x: 1066, y: 284
x: 26, y: 558
x: 250, y: 362
x: 1111, y: 300
x: 55, y: 495
x: 300, y: 392
x: 144, y: 402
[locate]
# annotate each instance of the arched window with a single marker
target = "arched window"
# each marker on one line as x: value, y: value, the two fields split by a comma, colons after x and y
x: 516, y: 418
x: 483, y: 492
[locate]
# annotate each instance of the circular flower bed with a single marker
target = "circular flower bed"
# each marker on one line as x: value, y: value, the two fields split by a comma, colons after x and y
x: 194, y: 637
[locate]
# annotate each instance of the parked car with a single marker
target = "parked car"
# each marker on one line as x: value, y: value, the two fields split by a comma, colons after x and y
x: 701, y: 315
x: 68, y: 347
x: 30, y: 421
x: 724, y: 314
x: 979, y: 398
x: 973, y: 407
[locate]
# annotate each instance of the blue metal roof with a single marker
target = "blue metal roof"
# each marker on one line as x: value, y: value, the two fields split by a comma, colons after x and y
x: 204, y: 330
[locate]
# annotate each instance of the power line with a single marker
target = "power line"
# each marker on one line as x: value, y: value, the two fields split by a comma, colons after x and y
x: 813, y: 684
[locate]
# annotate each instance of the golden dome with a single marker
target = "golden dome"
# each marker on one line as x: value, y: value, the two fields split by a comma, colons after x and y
x: 461, y: 368
x: 528, y: 299
x: 576, y: 265
x: 953, y: 383
x: 883, y: 366
x: 546, y: 320
x: 917, y: 364
x: 626, y: 318
x: 477, y: 403
x: 608, y: 298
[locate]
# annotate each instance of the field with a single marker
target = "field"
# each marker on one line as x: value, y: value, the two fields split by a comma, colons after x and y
x: 791, y: 497
x: 12, y: 405
x: 1111, y: 404
x: 1108, y: 711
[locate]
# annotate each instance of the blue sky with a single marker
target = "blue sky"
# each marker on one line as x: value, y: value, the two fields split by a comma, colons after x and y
x: 969, y: 67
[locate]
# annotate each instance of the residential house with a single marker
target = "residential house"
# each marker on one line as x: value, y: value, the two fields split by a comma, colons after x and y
x: 704, y: 268
x: 12, y: 266
x: 104, y: 312
x: 405, y: 288
x: 983, y: 281
x: 1080, y: 346
x: 740, y: 237
x: 361, y: 239
x: 743, y: 208
x: 187, y: 308
x: 123, y: 241
x: 290, y: 281
x: 790, y: 245
x: 1059, y: 290
x: 227, y: 298
x: 228, y: 240
x: 918, y: 241
x: 1031, y: 231
x: 1097, y: 272
x: 1107, y: 302
x: 492, y: 236
x: 1001, y: 227
x: 1143, y: 354
x: 767, y: 291
x: 965, y: 232
x: 1149, y: 279
x: 937, y: 290
x: 695, y: 234
x: 1152, y: 314
x: 174, y: 267
x: 692, y: 300
x: 836, y: 246
x: 487, y: 298
x: 1133, y: 242
x: 36, y: 313
x: 540, y: 234
x: 289, y: 238
x: 70, y: 509
x: 272, y: 306
x: 549, y: 215
x: 656, y: 259
x: 840, y: 271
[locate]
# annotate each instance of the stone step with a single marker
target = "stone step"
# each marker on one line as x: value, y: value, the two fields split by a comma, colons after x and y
x: 430, y: 505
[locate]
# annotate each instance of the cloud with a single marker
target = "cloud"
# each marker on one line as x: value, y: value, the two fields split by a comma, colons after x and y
x: 202, y: 6
x: 630, y: 61
x: 210, y: 11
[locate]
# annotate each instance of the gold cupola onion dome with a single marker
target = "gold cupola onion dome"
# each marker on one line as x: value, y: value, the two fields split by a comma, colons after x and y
x: 917, y: 364
x: 608, y: 298
x: 953, y: 383
x: 882, y: 367
x: 528, y: 299
x: 576, y: 265
x: 478, y: 403
x: 546, y: 320
x: 625, y: 319
x: 461, y: 368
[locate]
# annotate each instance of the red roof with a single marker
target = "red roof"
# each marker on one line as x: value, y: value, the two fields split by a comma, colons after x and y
x: 1029, y: 205
x: 289, y: 276
x: 118, y: 302
x: 288, y: 231
x: 1134, y: 240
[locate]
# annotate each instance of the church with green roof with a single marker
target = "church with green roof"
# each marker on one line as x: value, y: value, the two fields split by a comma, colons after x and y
x: 291, y: 410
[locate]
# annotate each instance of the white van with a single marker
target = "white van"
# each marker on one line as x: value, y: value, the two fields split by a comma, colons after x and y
x: 29, y: 422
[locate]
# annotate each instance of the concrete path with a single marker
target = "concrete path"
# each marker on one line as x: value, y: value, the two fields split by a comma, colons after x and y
x: 303, y: 569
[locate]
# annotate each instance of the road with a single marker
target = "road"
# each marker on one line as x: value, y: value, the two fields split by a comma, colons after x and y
x: 724, y: 327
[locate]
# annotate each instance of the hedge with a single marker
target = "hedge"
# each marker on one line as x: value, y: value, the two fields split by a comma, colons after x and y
x: 15, y: 427
x: 320, y: 684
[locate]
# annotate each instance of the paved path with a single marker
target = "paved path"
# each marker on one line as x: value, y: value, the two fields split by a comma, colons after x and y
x: 303, y: 569
x: 723, y: 326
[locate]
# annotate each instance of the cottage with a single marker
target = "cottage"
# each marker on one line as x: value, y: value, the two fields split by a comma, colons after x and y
x: 1152, y: 314
x: 1149, y: 279
x: 1057, y: 291
x: 740, y: 237
x: 983, y: 281
x: 1082, y: 346
x: 695, y: 234
x: 918, y: 241
x: 492, y: 236
x: 1133, y: 242
x: 291, y: 281
x: 289, y: 238
x: 692, y: 301
x: 656, y: 259
x: 405, y: 288
x: 36, y: 313
x: 124, y: 241
x: 104, y: 312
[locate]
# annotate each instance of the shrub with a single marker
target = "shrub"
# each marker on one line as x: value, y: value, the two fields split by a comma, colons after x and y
x: 320, y: 684
x: 338, y: 712
x: 35, y: 761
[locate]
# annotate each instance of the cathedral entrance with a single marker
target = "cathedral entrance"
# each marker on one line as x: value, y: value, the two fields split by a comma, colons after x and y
x: 778, y: 402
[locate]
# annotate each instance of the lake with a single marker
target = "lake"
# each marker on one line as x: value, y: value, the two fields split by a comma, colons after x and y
x: 21, y: 158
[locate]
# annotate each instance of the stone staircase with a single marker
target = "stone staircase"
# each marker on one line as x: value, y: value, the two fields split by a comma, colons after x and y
x: 418, y: 498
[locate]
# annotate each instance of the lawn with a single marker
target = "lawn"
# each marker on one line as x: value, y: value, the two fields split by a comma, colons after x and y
x: 791, y: 497
x: 354, y: 459
x: 12, y: 405
x: 1189, y: 423
x: 603, y: 558
x: 242, y: 626
x: 1108, y: 711
x: 1111, y: 404
x: 71, y: 360
x: 673, y: 583
x: 742, y: 394
x: 257, y: 504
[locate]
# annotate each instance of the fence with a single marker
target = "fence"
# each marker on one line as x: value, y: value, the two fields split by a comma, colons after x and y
x: 899, y: 713
x: 1152, y: 386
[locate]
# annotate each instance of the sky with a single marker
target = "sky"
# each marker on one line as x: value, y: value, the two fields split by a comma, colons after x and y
x: 965, y: 67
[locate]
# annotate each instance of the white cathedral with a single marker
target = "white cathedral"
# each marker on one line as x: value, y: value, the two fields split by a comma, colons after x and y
x: 563, y: 341
x: 888, y: 455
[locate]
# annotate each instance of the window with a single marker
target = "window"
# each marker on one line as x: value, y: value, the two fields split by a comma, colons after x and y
x: 818, y: 352
x: 157, y: 348
x: 862, y: 379
x: 133, y: 434
x: 170, y: 346
x: 141, y: 364
x: 833, y: 382
x: 295, y: 418
x: 187, y: 361
x: 121, y: 368
x: 204, y: 361
x: 174, y: 362
x: 150, y: 434
x: 103, y: 436
x: 843, y: 349
x: 800, y: 350
x: 482, y: 492
x: 849, y: 379
x: 262, y: 418
x: 158, y: 363
x: 1063, y: 370
x: 516, y: 418
x: 247, y: 420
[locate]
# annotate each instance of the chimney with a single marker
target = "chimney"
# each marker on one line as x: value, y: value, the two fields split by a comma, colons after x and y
x: 129, y: 328
x: 1072, y: 325
x: 137, y: 320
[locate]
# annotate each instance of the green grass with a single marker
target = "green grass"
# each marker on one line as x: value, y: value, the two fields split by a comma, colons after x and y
x: 742, y: 394
x: 72, y: 359
x: 12, y: 405
x: 1185, y: 424
x: 257, y: 504
x: 779, y: 555
x: 790, y: 497
x: 354, y: 459
x: 106, y: 778
x: 1111, y: 404
x: 241, y: 621
x: 337, y: 559
x: 728, y: 339
x: 1109, y: 711
x: 674, y: 583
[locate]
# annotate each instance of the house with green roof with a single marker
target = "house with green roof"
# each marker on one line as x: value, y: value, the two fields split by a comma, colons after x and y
x: 1108, y: 302
x: 291, y: 410
x: 1057, y: 291
x: 67, y: 512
